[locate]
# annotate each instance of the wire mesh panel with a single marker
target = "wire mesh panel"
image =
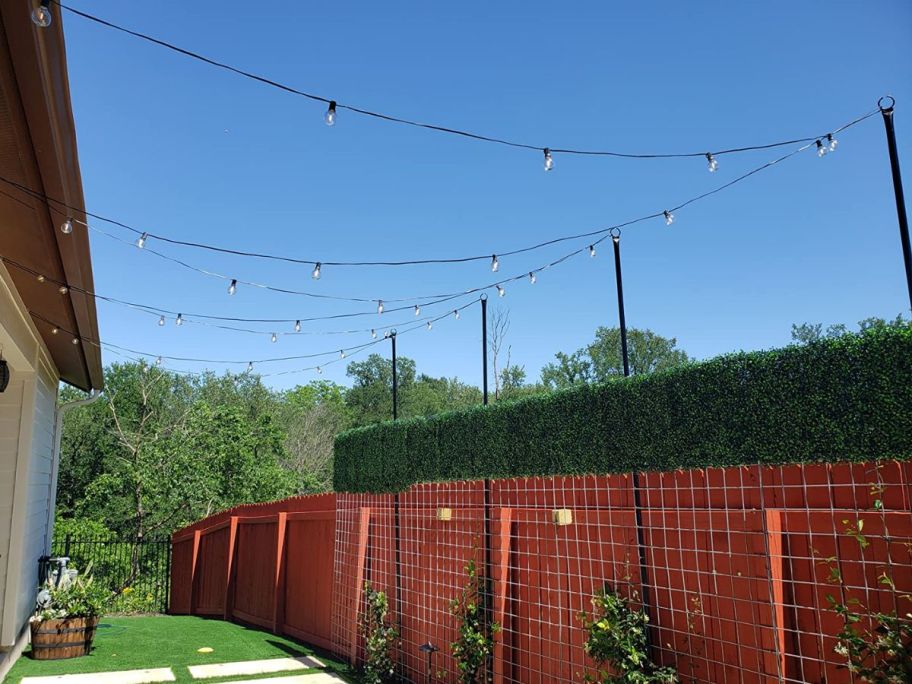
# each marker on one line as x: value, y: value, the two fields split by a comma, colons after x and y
x: 750, y: 574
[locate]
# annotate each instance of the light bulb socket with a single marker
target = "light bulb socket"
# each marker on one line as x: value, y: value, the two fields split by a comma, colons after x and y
x: 332, y: 106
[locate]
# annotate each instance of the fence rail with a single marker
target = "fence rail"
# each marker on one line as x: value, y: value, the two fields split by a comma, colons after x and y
x: 137, y: 572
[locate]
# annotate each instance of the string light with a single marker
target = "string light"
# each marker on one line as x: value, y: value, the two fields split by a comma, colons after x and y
x: 67, y: 226
x: 495, y: 264
x: 40, y: 278
x: 821, y: 150
x: 429, y: 325
x: 161, y: 321
x: 456, y: 314
x: 592, y: 251
x: 379, y: 306
x: 500, y: 291
x: 179, y: 320
x: 831, y: 142
x: 250, y: 366
x: 316, y: 272
x: 330, y: 116
x: 549, y: 160
x: 141, y: 240
x: 55, y: 330
x: 233, y: 287
x: 158, y: 361
x: 75, y: 340
x: 297, y: 327
x: 417, y: 310
x: 532, y: 277
x: 41, y: 15
x: 274, y: 338
x: 319, y: 370
x: 711, y: 162
x: 63, y: 289
x: 669, y: 217
x: 341, y: 353
x: 373, y: 334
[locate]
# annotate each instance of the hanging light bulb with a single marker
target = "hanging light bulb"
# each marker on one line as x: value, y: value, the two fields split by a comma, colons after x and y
x: 316, y: 272
x: 341, y: 353
x: 161, y: 321
x: 711, y: 164
x: 417, y: 310
x: 141, y: 240
x: 41, y: 15
x: 330, y: 116
x: 66, y: 227
x: 456, y: 314
x: 373, y: 334
x: 821, y: 149
x: 379, y: 306
x: 233, y: 287
x: 592, y: 251
x: 500, y: 291
x: 549, y: 160
x: 63, y: 289
x: 75, y: 340
x: 40, y: 278
x: 179, y: 320
x: 495, y: 264
x: 319, y: 370
x: 831, y: 142
x: 250, y: 366
x: 297, y: 326
x: 669, y: 217
x: 55, y: 330
x: 430, y: 325
x: 158, y: 361
x: 532, y: 277
x: 274, y: 338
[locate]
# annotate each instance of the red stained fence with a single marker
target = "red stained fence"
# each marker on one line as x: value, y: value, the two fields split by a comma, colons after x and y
x: 741, y: 564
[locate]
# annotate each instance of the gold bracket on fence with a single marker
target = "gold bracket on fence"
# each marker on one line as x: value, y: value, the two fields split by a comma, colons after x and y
x: 562, y: 516
x: 444, y: 514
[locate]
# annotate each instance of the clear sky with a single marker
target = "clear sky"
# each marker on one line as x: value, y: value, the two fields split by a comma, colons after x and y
x: 179, y: 148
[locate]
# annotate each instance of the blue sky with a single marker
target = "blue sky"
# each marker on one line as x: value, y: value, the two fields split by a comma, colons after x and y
x: 176, y: 147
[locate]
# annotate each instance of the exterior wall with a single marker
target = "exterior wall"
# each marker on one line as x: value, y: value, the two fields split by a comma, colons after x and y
x: 27, y: 453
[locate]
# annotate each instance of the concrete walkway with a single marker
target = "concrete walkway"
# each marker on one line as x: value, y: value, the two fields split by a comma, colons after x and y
x: 253, y: 667
x: 162, y: 674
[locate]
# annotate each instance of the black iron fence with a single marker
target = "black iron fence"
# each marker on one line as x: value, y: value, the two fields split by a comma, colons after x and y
x: 138, y: 573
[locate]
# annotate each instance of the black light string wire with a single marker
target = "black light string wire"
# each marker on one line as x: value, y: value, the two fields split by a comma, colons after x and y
x: 437, y: 297
x: 336, y: 105
x: 341, y: 354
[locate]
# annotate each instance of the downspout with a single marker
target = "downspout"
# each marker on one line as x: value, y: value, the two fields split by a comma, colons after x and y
x: 62, y: 410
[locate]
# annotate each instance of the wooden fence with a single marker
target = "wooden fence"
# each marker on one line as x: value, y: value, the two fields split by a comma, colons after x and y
x: 741, y: 564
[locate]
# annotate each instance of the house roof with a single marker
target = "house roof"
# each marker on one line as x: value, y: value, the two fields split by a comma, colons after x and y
x: 38, y: 152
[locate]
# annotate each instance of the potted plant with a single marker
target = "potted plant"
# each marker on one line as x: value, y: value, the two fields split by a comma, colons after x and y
x: 68, y: 612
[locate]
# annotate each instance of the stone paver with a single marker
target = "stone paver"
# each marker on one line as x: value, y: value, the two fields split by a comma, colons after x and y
x: 253, y: 667
x: 315, y: 678
x: 162, y: 674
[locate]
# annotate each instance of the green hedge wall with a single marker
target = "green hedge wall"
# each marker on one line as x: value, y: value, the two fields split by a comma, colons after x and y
x: 848, y: 398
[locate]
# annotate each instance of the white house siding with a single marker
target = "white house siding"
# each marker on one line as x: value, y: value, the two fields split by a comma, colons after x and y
x: 10, y: 419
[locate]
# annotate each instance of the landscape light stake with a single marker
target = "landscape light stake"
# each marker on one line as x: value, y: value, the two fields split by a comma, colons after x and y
x: 637, y: 505
x: 887, y: 112
x: 395, y: 380
x: 484, y: 346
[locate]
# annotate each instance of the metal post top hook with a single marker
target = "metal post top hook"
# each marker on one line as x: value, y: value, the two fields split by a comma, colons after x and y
x: 889, y: 107
x: 393, y: 332
x: 483, y: 297
x: 615, y: 234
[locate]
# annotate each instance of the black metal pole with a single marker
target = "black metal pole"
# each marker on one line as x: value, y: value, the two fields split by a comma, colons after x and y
x: 637, y: 504
x: 395, y: 379
x: 898, y: 190
x: 484, y: 346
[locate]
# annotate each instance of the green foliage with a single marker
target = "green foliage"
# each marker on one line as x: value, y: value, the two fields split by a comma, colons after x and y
x: 814, y: 332
x: 601, y: 361
x: 617, y: 642
x: 845, y: 398
x: 476, y: 642
x: 379, y: 637
x: 80, y: 596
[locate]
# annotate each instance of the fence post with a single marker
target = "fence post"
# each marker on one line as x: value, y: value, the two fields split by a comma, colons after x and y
x: 278, y: 606
x: 168, y: 547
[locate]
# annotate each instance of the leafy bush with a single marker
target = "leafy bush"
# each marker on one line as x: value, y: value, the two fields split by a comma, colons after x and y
x: 617, y: 639
x: 837, y: 399
x: 379, y: 637
x: 79, y: 596
x: 476, y: 642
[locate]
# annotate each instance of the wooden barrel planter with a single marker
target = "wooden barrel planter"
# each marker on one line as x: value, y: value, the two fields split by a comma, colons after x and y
x: 67, y: 638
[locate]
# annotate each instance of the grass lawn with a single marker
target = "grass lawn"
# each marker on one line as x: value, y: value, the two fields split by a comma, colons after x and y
x: 133, y: 643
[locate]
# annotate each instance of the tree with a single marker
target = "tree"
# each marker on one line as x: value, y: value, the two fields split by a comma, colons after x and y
x: 602, y: 359
x: 806, y: 333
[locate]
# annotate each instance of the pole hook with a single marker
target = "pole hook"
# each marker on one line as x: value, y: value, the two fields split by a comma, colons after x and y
x: 889, y: 108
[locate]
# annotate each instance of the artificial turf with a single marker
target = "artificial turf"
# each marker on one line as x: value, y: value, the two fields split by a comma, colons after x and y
x: 134, y: 643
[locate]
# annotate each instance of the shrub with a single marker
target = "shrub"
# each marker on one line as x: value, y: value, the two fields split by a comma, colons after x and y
x: 838, y: 399
x: 379, y: 637
x: 476, y: 642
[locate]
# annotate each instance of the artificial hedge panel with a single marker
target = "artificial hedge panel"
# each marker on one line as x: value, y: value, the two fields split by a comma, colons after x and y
x: 848, y: 398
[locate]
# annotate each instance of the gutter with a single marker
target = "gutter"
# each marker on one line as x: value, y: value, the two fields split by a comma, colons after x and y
x: 62, y: 410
